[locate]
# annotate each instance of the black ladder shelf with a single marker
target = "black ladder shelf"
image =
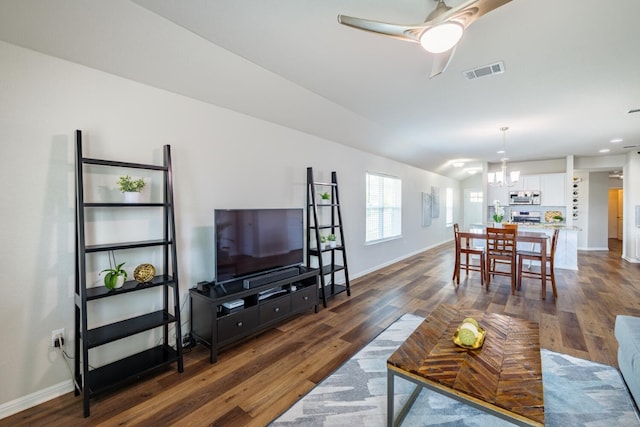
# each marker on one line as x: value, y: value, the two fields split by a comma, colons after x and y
x: 90, y: 381
x: 337, y: 256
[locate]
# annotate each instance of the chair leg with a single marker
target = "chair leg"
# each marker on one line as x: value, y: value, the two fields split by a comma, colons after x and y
x: 553, y: 282
x: 482, y: 272
x: 519, y: 284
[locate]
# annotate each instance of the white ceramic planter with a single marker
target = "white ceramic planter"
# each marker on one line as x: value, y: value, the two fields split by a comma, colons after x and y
x: 131, y: 196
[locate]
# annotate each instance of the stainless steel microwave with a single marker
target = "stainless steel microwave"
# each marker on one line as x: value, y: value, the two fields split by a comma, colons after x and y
x: 524, y: 198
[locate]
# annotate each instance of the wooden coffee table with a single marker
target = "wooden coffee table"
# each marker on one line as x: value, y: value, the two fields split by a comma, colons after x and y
x: 504, y: 377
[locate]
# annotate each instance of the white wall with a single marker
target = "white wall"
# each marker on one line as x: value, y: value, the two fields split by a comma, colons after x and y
x: 631, y: 243
x: 222, y: 159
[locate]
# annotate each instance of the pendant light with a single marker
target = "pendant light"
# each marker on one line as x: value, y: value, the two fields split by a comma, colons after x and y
x: 501, y: 178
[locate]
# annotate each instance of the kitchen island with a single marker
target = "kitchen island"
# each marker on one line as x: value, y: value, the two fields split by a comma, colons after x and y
x: 567, y: 247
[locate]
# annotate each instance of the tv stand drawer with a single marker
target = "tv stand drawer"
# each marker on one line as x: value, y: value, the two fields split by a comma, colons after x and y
x: 238, y: 324
x: 275, y: 309
x: 304, y: 298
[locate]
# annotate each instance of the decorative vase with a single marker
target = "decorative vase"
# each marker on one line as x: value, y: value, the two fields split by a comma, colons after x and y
x: 131, y: 196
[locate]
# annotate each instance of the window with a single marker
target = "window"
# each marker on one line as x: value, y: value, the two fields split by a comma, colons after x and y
x: 384, y: 207
x: 475, y: 196
x: 449, y: 207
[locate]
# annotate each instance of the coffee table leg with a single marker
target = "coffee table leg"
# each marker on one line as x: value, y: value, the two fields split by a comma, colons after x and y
x: 390, y: 400
x: 390, y: 397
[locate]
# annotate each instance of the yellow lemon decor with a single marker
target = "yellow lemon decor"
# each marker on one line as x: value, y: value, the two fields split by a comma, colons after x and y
x: 469, y: 334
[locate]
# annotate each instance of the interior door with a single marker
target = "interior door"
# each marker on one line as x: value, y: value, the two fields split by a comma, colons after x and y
x: 473, y: 207
x: 620, y: 216
x: 612, y: 223
x: 615, y: 213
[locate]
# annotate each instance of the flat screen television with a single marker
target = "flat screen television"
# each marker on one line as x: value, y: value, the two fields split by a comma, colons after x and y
x: 256, y: 241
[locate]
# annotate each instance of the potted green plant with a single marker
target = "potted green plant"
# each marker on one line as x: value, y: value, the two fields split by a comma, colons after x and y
x: 323, y: 242
x: 558, y: 218
x: 332, y: 240
x: 115, y: 276
x: 326, y: 197
x: 131, y: 188
x: 498, y: 214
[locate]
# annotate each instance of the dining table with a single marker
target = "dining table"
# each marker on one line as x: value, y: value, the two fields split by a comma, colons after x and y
x: 535, y: 237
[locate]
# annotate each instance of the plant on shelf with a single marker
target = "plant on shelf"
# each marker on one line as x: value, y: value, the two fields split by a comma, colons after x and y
x: 498, y: 210
x: 131, y: 188
x: 130, y: 185
x: 332, y: 240
x: 558, y: 218
x: 326, y: 197
x: 323, y: 241
x: 115, y: 276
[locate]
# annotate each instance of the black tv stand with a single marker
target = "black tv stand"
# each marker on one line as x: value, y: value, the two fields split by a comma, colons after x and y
x: 211, y: 324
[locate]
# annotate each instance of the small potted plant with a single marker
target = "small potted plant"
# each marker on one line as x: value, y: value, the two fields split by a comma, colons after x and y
x: 498, y: 214
x: 115, y: 277
x: 326, y: 197
x: 131, y: 188
x: 558, y: 218
x: 332, y: 240
x: 323, y: 242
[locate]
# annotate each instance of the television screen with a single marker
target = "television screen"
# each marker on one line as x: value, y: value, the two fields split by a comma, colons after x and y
x: 253, y: 241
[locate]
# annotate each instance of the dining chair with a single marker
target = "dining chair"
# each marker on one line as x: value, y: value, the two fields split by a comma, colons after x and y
x: 501, y: 249
x: 464, y: 248
x: 537, y: 256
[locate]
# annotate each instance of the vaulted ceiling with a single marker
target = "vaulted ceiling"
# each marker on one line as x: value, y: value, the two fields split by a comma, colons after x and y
x: 570, y: 80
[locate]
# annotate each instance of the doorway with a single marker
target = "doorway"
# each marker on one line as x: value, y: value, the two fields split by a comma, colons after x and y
x: 615, y: 213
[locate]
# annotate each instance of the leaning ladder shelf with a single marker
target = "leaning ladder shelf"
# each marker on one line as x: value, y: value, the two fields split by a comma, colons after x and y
x: 90, y: 382
x: 336, y: 257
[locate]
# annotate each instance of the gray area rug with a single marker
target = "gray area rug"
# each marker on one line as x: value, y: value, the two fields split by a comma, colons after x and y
x: 577, y: 392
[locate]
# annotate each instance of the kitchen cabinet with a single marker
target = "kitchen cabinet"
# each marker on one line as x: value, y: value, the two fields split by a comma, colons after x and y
x: 553, y: 189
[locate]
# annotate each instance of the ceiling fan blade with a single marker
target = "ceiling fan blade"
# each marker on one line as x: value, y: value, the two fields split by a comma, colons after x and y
x: 441, y: 61
x: 468, y: 12
x: 401, y: 32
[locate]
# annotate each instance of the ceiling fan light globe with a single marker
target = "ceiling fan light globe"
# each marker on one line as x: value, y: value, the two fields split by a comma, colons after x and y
x: 441, y: 38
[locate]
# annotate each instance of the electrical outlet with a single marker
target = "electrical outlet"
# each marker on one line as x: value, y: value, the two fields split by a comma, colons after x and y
x: 54, y: 337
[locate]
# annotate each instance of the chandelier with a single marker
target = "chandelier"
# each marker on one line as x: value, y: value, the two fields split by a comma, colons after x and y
x: 501, y: 178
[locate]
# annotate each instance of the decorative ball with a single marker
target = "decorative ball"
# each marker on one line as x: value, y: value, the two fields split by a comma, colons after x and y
x: 144, y: 273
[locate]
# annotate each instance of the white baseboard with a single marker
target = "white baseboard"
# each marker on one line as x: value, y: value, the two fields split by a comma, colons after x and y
x: 631, y: 260
x: 36, y: 398
x: 388, y: 263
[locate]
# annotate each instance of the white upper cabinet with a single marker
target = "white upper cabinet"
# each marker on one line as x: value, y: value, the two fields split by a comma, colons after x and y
x: 553, y: 189
x: 531, y: 183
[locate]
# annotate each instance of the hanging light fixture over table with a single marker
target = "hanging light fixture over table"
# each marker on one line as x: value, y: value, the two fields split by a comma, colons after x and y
x: 501, y: 178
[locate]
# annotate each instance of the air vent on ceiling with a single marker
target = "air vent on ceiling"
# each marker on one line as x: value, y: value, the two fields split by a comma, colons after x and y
x: 485, y: 70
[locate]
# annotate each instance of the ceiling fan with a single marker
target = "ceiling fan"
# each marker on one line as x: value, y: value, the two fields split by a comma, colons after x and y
x: 440, y: 32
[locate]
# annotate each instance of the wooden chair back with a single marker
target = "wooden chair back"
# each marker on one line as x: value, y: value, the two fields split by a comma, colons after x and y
x: 501, y: 249
x: 501, y: 242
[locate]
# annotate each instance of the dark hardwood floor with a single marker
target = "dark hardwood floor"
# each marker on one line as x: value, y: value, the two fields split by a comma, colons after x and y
x: 254, y: 382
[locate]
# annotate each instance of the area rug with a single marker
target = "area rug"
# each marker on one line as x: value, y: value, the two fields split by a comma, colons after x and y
x: 577, y: 393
